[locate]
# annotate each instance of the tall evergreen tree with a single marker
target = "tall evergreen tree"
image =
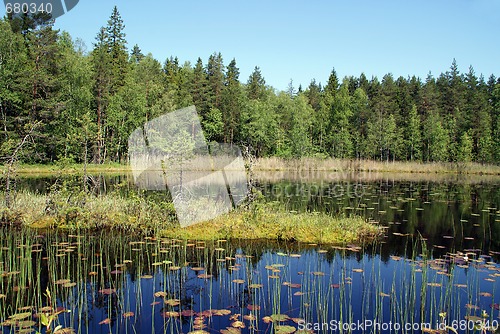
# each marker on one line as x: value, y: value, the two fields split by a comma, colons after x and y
x: 256, y: 85
x: 115, y: 39
x: 44, y: 55
x: 199, y: 88
x: 215, y: 80
x: 232, y: 99
x: 102, y: 70
x: 136, y: 54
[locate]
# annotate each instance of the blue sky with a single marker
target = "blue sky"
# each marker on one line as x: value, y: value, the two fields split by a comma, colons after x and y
x: 302, y: 40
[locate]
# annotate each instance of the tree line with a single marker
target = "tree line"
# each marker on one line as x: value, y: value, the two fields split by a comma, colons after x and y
x: 78, y: 105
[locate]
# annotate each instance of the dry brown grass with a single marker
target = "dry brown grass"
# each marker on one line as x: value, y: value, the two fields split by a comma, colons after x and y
x: 338, y: 165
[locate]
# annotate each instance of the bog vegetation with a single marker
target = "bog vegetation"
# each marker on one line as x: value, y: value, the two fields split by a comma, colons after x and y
x: 78, y: 104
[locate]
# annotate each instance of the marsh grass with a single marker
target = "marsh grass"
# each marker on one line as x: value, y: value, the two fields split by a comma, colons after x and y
x: 280, y: 164
x: 149, y: 212
x: 278, y: 224
x: 335, y: 282
x: 317, y: 164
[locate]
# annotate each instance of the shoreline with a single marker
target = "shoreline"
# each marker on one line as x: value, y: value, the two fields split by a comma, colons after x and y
x: 274, y: 164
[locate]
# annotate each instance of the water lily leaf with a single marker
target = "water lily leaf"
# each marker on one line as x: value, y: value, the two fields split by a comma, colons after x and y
x: 279, y: 317
x: 285, y: 329
x: 20, y: 316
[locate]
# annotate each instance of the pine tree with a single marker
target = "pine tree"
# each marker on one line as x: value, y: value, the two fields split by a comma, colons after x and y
x: 232, y: 99
x: 215, y: 78
x: 136, y: 55
x: 333, y: 84
x: 115, y: 39
x: 102, y: 71
x: 199, y: 88
x: 44, y: 55
x: 256, y: 85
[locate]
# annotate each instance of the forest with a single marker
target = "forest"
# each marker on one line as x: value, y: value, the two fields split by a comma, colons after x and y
x: 65, y: 103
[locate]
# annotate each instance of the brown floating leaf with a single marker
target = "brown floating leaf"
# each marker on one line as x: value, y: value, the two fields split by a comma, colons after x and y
x: 221, y: 312
x: 170, y: 314
x: 128, y: 314
x: 108, y: 291
x: 197, y: 268
x: 472, y: 307
x: 238, y: 324
x: 159, y: 294
x: 172, y: 302
x: 205, y: 276
x: 267, y: 319
x: 252, y: 307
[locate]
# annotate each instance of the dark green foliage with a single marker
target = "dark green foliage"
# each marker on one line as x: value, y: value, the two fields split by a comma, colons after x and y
x: 85, y: 105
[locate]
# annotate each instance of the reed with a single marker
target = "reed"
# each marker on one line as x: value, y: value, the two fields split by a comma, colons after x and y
x: 339, y: 165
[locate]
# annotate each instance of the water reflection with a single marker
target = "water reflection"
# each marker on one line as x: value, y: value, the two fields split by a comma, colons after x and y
x: 118, y: 283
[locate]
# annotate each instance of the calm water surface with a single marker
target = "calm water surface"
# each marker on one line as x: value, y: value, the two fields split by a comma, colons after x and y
x: 437, y: 265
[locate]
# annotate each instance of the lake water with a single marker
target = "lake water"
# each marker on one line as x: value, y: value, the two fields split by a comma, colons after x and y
x: 437, y: 266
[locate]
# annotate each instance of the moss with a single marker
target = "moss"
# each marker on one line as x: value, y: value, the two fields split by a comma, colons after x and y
x: 137, y: 213
x: 280, y: 225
